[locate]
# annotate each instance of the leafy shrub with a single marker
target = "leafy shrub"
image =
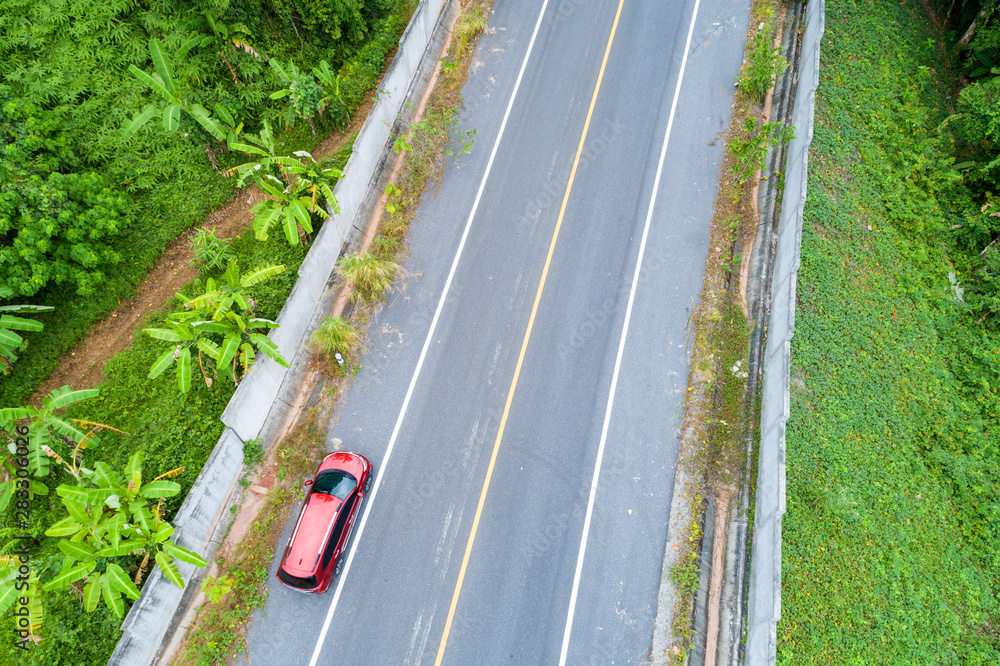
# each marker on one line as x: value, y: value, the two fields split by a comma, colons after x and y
x: 330, y: 22
x: 65, y: 45
x: 750, y: 149
x: 55, y: 225
x: 211, y: 253
x: 764, y: 64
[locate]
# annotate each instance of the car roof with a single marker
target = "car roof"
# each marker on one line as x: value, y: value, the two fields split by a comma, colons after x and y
x: 310, y: 534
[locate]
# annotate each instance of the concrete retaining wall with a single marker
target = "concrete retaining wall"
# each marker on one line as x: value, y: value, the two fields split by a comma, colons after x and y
x: 203, y: 519
x: 764, y: 604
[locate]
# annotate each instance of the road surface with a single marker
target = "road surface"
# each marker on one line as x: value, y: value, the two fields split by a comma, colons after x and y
x: 427, y: 410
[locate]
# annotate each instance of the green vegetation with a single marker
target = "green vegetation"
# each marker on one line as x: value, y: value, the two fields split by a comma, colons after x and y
x: 11, y: 342
x: 751, y: 145
x: 71, y: 201
x: 220, y: 326
x: 369, y: 276
x: 890, y: 539
x: 335, y: 336
x: 764, y: 62
x: 56, y: 219
x: 718, y: 417
x: 218, y: 632
x: 175, y: 431
x: 85, y: 207
x: 211, y: 253
x: 110, y: 517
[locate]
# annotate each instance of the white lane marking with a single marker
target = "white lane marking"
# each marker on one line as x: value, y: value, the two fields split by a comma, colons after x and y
x: 621, y: 348
x: 423, y: 352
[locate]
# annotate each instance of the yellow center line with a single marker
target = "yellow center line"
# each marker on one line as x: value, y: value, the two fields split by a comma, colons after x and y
x: 524, y: 347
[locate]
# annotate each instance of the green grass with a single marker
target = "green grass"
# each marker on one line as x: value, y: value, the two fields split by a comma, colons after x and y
x: 890, y: 535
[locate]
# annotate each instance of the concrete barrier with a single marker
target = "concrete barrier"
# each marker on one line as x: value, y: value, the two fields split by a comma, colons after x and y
x: 764, y: 604
x: 204, y: 518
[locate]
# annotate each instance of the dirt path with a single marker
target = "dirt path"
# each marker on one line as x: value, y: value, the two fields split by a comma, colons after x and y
x: 83, y: 366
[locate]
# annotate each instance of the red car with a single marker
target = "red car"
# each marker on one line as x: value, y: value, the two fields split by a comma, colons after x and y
x: 313, y: 555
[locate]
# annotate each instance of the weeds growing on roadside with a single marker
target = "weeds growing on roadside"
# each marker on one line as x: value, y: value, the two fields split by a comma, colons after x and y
x: 370, y: 276
x: 219, y: 631
x: 751, y: 145
x: 685, y: 575
x: 764, y: 62
x: 470, y: 25
x: 718, y: 415
x: 335, y: 336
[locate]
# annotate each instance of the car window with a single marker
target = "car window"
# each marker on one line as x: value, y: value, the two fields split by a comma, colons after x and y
x: 336, y: 483
x: 331, y: 544
x: 301, y: 583
x: 345, y: 513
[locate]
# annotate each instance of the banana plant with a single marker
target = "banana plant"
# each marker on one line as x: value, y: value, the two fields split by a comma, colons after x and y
x: 228, y: 124
x: 110, y: 515
x: 20, y: 488
x: 47, y: 428
x: 229, y: 36
x: 314, y: 179
x: 293, y: 205
x: 172, y: 92
x: 330, y: 81
x: 219, y: 324
x: 15, y: 585
x: 264, y: 147
x: 11, y: 342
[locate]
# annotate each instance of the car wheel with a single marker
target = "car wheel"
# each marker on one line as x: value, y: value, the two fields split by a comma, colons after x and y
x: 339, y: 567
x: 368, y: 483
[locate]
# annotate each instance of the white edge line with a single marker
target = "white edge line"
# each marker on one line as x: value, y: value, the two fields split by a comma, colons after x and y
x: 621, y: 349
x: 423, y: 352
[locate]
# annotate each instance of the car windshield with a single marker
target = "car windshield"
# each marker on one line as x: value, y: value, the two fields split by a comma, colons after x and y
x: 294, y: 581
x: 336, y: 483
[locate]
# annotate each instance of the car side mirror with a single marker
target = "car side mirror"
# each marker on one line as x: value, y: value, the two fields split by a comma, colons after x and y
x: 307, y: 483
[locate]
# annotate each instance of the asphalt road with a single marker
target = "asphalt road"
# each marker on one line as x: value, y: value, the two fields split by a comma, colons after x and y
x: 392, y: 606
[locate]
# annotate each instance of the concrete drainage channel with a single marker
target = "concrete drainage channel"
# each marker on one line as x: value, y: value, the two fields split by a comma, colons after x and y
x: 262, y: 405
x: 750, y: 602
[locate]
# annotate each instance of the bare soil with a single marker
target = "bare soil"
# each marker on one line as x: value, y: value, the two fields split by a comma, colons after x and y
x: 83, y: 366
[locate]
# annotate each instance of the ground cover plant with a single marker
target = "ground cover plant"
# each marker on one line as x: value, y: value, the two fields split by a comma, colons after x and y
x: 889, y: 541
x: 90, y: 196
